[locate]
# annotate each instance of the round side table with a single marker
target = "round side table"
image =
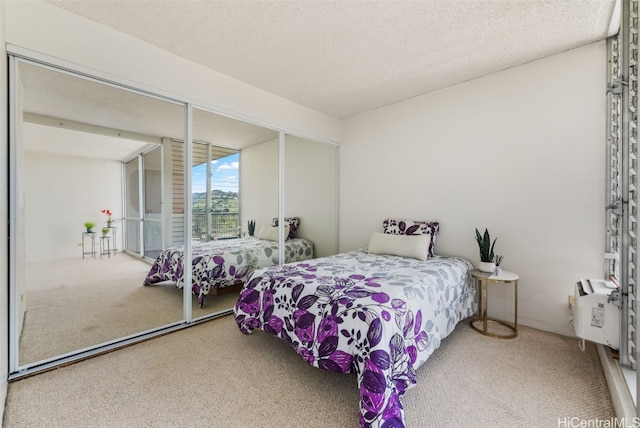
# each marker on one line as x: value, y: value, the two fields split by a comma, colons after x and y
x: 482, y: 279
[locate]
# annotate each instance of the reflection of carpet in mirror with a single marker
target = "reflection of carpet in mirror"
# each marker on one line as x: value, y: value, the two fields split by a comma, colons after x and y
x: 73, y: 304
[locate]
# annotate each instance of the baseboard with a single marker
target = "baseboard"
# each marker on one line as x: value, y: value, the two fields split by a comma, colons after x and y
x: 622, y: 400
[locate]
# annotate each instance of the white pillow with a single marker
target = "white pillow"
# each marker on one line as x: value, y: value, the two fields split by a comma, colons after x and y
x: 270, y: 233
x: 413, y: 246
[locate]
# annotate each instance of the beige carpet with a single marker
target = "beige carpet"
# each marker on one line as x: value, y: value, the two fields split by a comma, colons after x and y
x: 211, y: 375
x: 76, y: 303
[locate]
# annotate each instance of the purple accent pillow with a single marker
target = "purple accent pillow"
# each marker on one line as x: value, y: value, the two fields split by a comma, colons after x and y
x: 410, y: 227
x: 293, y: 223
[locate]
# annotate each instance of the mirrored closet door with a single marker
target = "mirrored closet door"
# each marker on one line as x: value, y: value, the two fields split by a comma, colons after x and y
x: 88, y: 177
x: 234, y: 171
x: 110, y: 188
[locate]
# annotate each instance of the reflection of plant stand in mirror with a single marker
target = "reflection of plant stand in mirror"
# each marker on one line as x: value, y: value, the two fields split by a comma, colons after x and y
x: 92, y: 237
x: 114, y: 233
x: 105, y: 246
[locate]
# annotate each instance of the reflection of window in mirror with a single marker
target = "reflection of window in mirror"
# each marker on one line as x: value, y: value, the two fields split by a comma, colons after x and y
x: 225, y: 206
x: 214, y: 194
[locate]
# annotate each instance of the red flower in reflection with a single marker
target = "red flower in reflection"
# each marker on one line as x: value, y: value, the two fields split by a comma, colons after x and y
x: 108, y: 213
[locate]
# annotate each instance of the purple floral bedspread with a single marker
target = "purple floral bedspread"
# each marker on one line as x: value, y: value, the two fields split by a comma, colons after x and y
x: 219, y: 264
x: 378, y: 316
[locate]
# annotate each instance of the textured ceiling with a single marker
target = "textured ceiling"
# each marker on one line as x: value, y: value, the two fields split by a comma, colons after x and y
x: 346, y: 57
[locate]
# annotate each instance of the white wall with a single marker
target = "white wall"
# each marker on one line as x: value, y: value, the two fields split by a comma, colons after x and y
x: 310, y: 191
x: 4, y: 276
x: 61, y: 193
x: 259, y: 184
x: 521, y: 152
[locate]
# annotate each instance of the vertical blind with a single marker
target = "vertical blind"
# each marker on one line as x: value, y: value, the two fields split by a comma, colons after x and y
x: 622, y: 172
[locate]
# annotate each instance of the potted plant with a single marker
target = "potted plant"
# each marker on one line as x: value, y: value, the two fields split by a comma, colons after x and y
x: 108, y: 213
x: 89, y: 225
x: 251, y: 227
x: 486, y: 251
x: 105, y: 231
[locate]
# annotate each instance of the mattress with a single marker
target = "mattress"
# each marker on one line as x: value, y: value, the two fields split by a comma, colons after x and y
x: 379, y: 316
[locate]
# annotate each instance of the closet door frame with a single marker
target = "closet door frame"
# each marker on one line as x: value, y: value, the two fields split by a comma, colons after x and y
x: 16, y: 243
x: 18, y: 55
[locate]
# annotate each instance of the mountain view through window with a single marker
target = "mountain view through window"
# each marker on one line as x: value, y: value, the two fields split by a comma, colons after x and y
x: 223, y: 210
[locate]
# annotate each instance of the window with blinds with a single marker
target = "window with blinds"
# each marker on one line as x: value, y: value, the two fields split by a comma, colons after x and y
x: 622, y: 173
x: 214, y: 193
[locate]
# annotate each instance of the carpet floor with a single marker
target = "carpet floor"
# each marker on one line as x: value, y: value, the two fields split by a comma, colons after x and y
x: 73, y: 304
x: 211, y: 375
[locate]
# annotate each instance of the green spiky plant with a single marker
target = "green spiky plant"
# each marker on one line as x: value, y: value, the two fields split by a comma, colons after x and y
x: 486, y: 246
x: 251, y: 226
x: 89, y: 225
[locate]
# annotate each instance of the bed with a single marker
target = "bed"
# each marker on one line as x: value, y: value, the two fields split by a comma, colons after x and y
x: 225, y: 264
x: 378, y: 315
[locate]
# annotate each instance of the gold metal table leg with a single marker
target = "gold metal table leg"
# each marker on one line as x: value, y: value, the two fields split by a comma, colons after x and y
x: 483, y: 293
x: 481, y: 283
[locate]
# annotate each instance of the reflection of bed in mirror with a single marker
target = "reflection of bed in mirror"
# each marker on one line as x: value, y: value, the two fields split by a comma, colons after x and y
x: 222, y: 266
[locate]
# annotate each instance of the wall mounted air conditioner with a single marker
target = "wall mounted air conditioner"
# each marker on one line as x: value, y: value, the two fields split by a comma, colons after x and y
x: 596, y: 311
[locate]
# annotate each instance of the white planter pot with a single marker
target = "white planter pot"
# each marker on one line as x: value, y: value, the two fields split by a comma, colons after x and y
x: 488, y: 267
